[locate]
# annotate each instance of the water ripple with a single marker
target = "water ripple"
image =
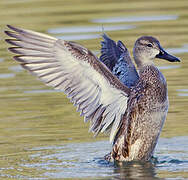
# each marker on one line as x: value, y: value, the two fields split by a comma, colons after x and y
x: 89, y: 29
x: 42, y: 91
x: 16, y: 68
x: 7, y: 75
x: 81, y: 160
x: 1, y: 59
x: 169, y: 67
x: 135, y: 19
x: 179, y: 50
x: 79, y: 37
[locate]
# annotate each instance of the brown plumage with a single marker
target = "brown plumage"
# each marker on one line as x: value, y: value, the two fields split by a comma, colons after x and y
x: 113, y: 97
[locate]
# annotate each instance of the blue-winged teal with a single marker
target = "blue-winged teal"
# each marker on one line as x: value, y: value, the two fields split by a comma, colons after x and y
x: 107, y: 91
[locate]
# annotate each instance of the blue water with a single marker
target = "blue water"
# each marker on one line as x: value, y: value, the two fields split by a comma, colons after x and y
x: 89, y: 29
x: 135, y: 19
x: 42, y: 91
x: 16, y: 68
x: 7, y: 75
x: 82, y: 160
x: 79, y: 37
x: 169, y: 67
x: 178, y: 50
x: 77, y: 33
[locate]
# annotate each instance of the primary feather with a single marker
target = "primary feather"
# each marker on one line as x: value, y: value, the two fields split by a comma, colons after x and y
x: 99, y: 96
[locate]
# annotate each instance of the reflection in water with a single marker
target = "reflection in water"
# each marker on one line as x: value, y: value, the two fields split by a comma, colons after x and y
x: 184, y: 92
x: 76, y: 33
x: 169, y: 67
x: 16, y: 68
x: 42, y: 91
x: 135, y: 19
x: 135, y: 170
x: 183, y: 49
x: 78, y: 37
x: 7, y: 75
x: 89, y: 29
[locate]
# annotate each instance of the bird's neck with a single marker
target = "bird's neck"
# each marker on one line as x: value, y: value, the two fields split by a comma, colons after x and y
x: 142, y: 60
x: 142, y: 64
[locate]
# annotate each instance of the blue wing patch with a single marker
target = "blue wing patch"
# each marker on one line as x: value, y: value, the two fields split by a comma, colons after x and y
x: 109, y: 52
x: 126, y: 74
x: 116, y: 57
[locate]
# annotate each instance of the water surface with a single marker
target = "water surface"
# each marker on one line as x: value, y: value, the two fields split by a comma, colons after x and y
x: 79, y: 37
x: 8, y: 75
x: 85, y: 160
x: 89, y: 29
x: 136, y: 19
x: 76, y: 33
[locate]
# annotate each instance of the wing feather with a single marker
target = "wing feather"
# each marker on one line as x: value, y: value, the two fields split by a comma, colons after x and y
x: 99, y: 96
x: 116, y: 57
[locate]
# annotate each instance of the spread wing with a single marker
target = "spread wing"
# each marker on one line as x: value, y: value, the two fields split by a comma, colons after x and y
x: 116, y: 57
x: 68, y: 66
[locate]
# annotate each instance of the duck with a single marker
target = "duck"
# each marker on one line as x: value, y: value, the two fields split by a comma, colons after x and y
x: 128, y: 103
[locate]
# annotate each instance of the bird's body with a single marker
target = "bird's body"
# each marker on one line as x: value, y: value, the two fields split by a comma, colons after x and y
x: 107, y: 91
x: 146, y: 112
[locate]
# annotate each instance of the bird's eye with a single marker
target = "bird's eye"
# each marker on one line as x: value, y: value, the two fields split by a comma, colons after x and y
x: 149, y: 45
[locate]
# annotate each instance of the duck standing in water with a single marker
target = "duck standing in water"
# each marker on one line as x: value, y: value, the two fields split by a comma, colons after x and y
x: 107, y: 91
